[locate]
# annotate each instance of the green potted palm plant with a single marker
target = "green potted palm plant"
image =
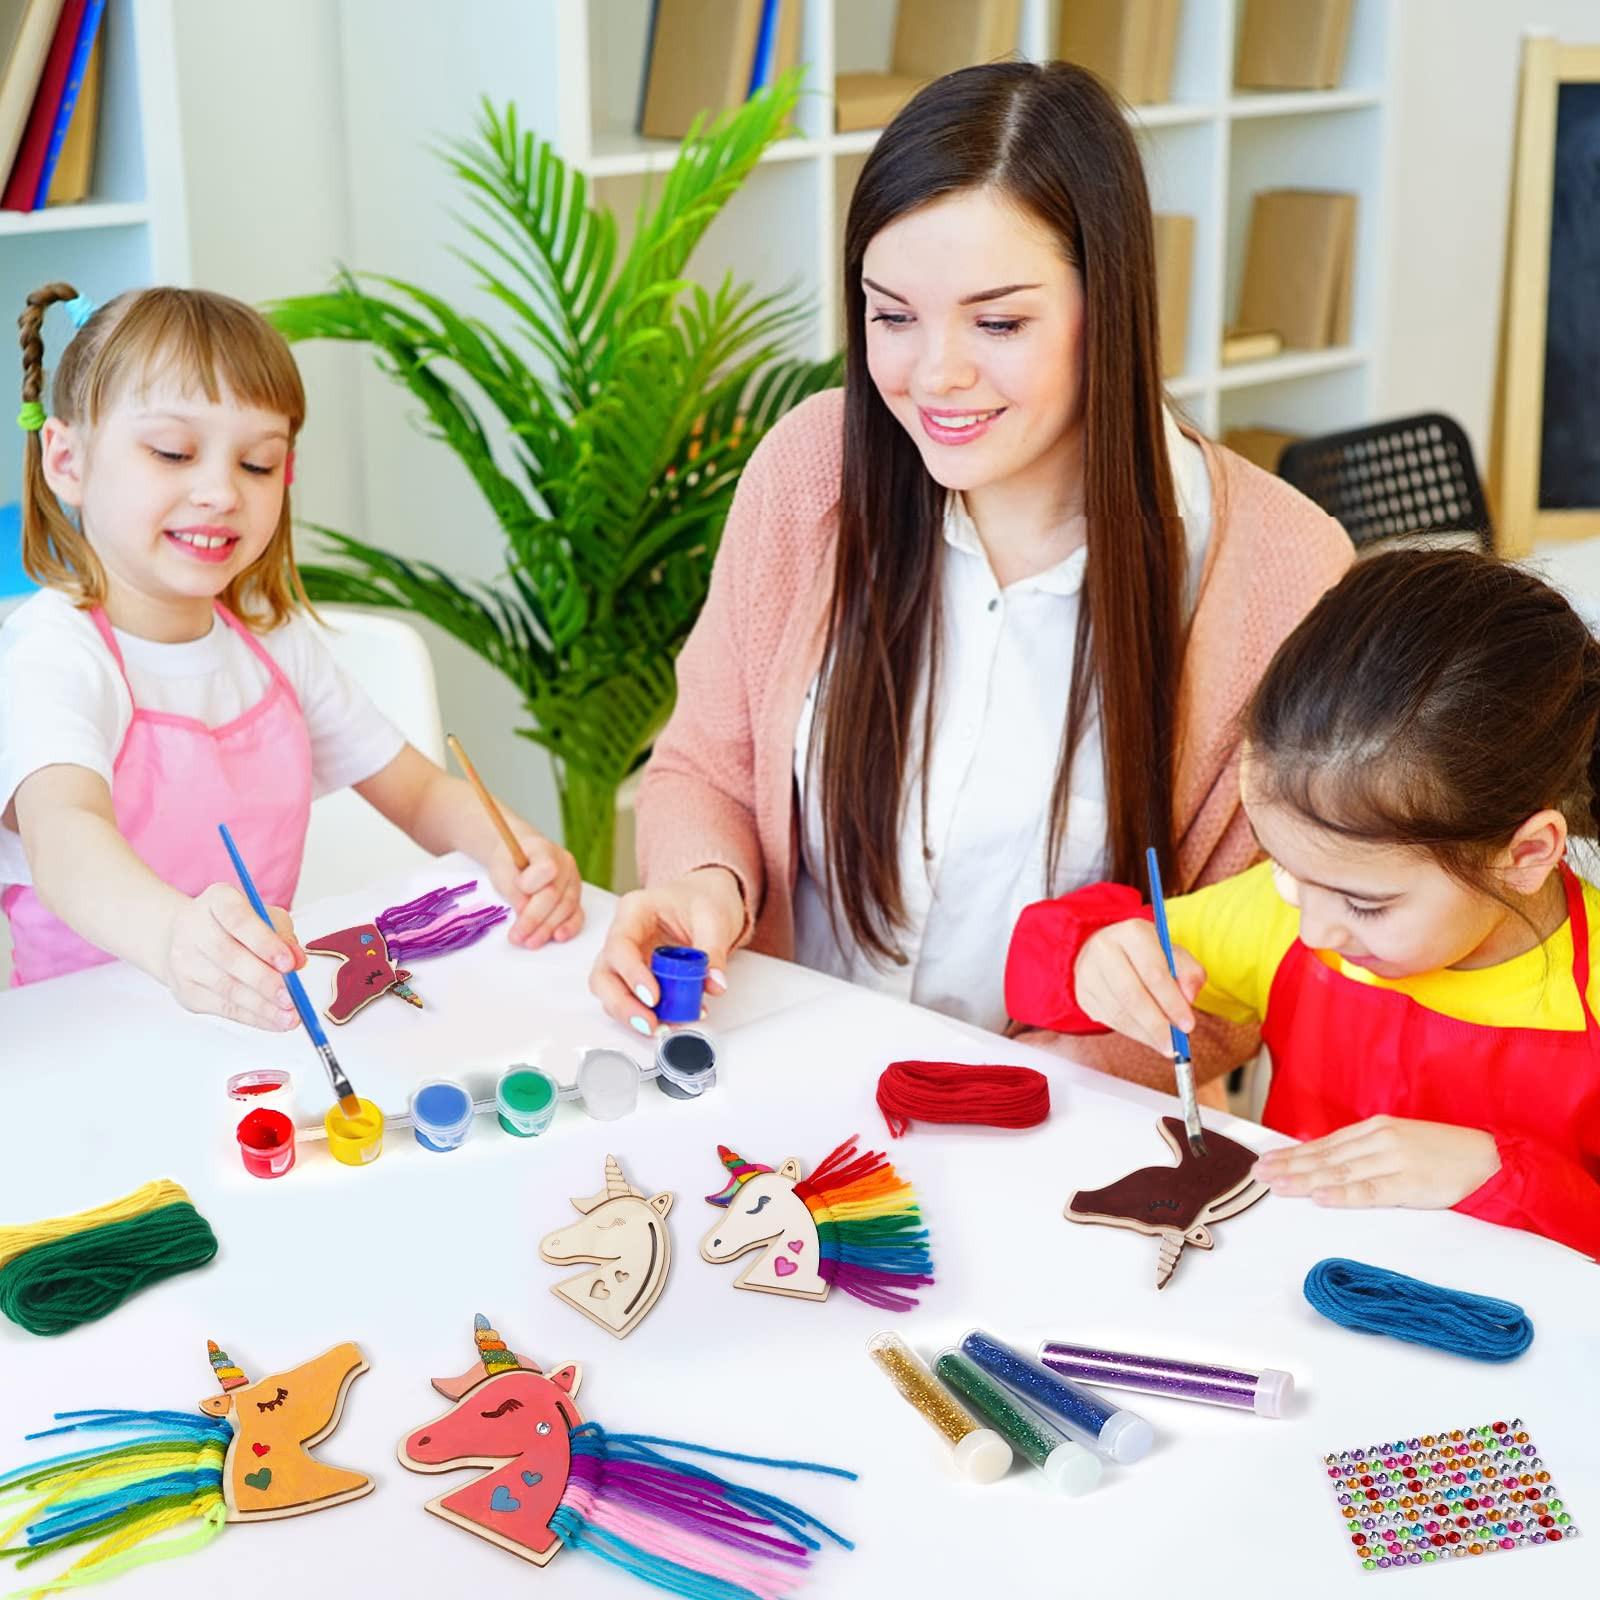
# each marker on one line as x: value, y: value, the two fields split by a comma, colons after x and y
x: 605, y: 417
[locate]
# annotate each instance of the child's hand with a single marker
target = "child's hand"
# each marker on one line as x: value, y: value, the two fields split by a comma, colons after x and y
x: 545, y: 896
x: 1121, y: 980
x: 223, y: 959
x: 1385, y: 1161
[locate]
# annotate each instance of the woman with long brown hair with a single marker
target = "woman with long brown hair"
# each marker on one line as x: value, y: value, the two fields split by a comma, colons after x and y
x: 980, y: 625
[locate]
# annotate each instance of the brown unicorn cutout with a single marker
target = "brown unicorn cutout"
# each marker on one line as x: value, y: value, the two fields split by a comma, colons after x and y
x: 625, y: 1234
x: 518, y: 1423
x: 1176, y: 1204
x: 268, y: 1471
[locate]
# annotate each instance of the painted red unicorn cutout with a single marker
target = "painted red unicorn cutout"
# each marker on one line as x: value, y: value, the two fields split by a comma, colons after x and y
x: 625, y: 1234
x: 854, y: 1223
x: 244, y: 1457
x: 552, y: 1479
x: 370, y: 953
x: 1176, y: 1204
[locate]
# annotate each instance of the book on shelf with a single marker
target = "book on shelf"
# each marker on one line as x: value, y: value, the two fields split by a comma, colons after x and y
x: 1299, y: 266
x: 702, y: 54
x: 1129, y: 44
x: 46, y: 127
x: 931, y: 38
x: 1174, y: 240
x: 1263, y: 446
x: 75, y: 170
x: 1292, y: 44
x: 83, y: 50
x: 777, y: 42
x: 1249, y: 344
x: 26, y: 30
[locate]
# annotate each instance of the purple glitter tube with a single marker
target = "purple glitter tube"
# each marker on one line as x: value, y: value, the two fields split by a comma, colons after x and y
x: 1267, y: 1392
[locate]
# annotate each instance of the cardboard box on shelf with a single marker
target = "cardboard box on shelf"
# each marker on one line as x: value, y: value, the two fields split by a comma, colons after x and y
x: 1174, y: 236
x: 1292, y: 44
x: 1298, y: 266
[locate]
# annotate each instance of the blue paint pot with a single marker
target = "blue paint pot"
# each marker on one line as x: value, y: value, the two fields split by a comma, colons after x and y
x: 441, y: 1115
x: 680, y: 972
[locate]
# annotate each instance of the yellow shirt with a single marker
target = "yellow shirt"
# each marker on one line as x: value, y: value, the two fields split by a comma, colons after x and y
x: 1241, y: 929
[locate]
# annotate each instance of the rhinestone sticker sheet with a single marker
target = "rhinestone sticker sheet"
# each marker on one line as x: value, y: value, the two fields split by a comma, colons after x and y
x: 1445, y: 1496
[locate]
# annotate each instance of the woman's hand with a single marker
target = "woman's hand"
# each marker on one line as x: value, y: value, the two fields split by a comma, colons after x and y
x: 1385, y: 1161
x: 223, y: 959
x: 703, y: 909
x: 1121, y: 980
x: 545, y: 896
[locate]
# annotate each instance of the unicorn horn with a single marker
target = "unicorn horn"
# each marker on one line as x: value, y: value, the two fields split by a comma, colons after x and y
x: 617, y: 1187
x: 491, y: 1347
x: 228, y: 1375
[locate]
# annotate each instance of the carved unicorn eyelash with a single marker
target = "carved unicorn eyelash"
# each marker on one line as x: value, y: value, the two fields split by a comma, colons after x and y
x: 756, y: 1209
x: 500, y: 1411
x: 272, y: 1405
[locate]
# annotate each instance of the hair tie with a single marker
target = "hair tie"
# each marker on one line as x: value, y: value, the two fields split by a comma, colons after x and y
x: 1375, y: 1300
x: 953, y: 1091
x: 31, y: 417
x: 80, y: 308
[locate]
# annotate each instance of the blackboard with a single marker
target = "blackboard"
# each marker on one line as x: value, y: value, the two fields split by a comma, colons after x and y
x: 1569, y: 454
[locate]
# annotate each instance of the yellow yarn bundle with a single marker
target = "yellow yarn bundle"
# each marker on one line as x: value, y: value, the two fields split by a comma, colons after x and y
x: 14, y: 1241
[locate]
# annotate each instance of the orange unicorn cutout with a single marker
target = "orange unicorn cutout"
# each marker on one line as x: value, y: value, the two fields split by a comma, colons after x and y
x: 269, y: 1471
x: 244, y: 1456
x: 624, y: 1233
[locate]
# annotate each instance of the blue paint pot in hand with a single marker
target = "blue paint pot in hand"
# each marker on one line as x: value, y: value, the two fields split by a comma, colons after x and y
x: 441, y: 1115
x: 680, y: 971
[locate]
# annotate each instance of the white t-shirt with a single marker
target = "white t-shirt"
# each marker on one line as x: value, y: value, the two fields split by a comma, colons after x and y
x: 1005, y: 671
x: 63, y: 701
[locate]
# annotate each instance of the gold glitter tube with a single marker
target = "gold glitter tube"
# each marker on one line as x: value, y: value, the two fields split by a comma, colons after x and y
x: 980, y: 1453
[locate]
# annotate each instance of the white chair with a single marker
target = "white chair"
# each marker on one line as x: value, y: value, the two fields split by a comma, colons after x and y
x: 349, y: 844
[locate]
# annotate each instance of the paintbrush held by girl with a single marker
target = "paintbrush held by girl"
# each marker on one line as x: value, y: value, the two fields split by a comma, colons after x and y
x: 1416, y: 948
x: 167, y: 676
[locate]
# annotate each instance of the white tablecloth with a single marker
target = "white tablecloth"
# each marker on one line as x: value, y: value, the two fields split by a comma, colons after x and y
x: 105, y: 1085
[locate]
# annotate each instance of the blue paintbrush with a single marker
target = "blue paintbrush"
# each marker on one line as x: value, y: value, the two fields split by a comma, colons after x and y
x: 345, y: 1095
x: 1182, y: 1062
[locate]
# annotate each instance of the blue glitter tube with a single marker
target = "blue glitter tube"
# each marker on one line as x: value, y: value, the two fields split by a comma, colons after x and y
x: 1120, y: 1436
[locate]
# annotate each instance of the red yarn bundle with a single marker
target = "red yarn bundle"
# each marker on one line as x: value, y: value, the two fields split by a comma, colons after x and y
x: 955, y: 1091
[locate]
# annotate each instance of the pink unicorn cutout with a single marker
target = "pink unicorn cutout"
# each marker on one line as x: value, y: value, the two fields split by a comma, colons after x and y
x: 552, y: 1479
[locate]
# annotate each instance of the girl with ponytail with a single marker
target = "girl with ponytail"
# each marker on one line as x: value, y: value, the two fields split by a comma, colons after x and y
x: 1419, y: 953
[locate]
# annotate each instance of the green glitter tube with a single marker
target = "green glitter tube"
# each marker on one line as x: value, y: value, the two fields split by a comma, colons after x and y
x: 1067, y: 1466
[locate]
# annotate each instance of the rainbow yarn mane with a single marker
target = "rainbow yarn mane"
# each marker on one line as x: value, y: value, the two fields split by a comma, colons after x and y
x: 869, y: 1226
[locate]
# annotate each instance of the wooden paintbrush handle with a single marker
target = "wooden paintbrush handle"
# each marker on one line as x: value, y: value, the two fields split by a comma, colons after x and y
x: 518, y: 858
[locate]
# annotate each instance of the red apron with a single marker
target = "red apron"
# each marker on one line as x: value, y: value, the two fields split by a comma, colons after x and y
x: 1343, y: 1051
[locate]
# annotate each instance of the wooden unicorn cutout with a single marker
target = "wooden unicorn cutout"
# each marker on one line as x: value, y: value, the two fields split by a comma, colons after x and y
x: 1176, y: 1204
x: 552, y: 1479
x: 625, y: 1234
x: 276, y: 1422
x: 243, y: 1457
x: 854, y: 1224
x: 521, y: 1432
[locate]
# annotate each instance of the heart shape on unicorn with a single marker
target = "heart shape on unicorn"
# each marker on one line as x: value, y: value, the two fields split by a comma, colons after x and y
x: 853, y: 1224
x: 551, y: 1479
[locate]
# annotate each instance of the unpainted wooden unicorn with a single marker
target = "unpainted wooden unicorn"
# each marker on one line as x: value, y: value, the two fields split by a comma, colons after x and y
x: 624, y: 1232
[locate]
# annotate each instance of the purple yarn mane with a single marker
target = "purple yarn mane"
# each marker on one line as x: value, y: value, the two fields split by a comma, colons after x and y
x: 428, y: 928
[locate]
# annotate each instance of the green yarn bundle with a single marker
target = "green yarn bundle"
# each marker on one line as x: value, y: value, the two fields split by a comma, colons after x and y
x: 58, y: 1275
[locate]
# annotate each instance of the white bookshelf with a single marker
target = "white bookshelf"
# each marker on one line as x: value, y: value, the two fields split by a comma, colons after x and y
x: 1206, y: 153
x: 133, y: 228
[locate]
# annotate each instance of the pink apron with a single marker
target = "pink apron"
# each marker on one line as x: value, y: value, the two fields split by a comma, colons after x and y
x: 173, y: 781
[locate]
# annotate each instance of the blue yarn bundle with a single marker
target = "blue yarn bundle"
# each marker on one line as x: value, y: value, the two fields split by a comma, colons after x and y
x: 1375, y: 1300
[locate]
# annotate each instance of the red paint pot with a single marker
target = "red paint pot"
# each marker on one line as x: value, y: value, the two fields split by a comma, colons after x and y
x: 266, y: 1143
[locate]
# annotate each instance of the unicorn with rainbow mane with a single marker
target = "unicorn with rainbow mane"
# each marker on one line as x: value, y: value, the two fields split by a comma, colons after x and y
x: 854, y: 1224
x: 554, y: 1479
x: 245, y: 1457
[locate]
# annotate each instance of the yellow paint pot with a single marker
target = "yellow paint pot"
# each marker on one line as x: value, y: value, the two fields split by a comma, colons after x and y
x: 355, y: 1140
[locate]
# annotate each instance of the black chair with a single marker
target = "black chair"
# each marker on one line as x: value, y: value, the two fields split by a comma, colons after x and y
x: 1412, y: 476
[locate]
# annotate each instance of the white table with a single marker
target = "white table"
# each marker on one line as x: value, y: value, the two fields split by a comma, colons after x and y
x: 105, y: 1084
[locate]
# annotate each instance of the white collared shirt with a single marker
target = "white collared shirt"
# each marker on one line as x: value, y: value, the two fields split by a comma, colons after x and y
x: 1005, y: 671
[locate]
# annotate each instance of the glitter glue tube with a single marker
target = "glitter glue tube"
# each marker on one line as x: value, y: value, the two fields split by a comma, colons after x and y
x: 1067, y: 1466
x: 1267, y: 1392
x: 980, y: 1453
x: 1121, y: 1436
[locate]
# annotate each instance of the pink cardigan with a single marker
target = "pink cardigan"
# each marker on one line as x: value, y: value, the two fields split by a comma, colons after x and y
x: 719, y: 787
